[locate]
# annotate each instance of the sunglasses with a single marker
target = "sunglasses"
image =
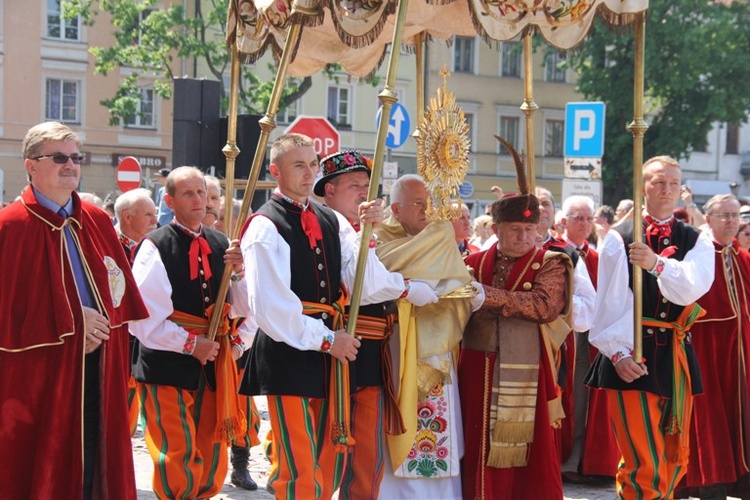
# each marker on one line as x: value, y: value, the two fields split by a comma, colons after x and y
x: 62, y: 159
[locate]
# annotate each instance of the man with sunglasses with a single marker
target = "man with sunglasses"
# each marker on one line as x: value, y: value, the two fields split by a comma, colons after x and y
x: 67, y: 298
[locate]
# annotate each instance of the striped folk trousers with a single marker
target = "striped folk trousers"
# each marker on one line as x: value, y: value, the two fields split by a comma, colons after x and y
x: 364, y: 470
x: 647, y: 469
x: 189, y: 461
x: 304, y: 463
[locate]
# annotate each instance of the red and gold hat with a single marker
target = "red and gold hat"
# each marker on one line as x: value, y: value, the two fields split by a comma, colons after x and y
x: 339, y: 163
x: 516, y: 207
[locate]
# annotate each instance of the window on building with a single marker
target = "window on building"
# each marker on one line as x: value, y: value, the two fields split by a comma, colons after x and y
x: 470, y: 122
x: 60, y: 28
x: 511, y: 62
x: 339, y: 106
x: 62, y: 100
x: 463, y: 54
x: 555, y: 71
x: 554, y: 135
x: 145, y: 117
x: 733, y: 139
x: 142, y: 15
x: 509, y: 130
x: 290, y: 113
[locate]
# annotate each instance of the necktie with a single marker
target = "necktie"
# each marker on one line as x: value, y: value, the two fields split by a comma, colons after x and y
x: 311, y: 226
x: 198, y: 253
x: 726, y: 252
x: 658, y: 229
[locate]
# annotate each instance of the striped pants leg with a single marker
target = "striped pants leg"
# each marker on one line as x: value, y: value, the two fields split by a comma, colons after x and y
x: 645, y: 471
x: 364, y: 470
x: 180, y: 425
x: 304, y: 463
x: 134, y: 405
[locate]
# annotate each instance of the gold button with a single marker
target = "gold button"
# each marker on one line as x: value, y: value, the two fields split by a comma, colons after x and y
x: 205, y: 299
x: 205, y: 285
x: 317, y: 251
x: 535, y: 266
x: 323, y: 300
x: 324, y: 315
x: 322, y: 284
x: 662, y: 315
x: 527, y: 285
x: 320, y: 267
x: 666, y: 241
x: 649, y: 331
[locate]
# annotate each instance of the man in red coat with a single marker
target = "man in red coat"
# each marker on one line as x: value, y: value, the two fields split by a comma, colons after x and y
x: 68, y: 293
x: 593, y: 448
x: 719, y: 447
x: 507, y: 376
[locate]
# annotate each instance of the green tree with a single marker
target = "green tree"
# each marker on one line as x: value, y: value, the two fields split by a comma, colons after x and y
x: 148, y: 39
x: 697, y: 70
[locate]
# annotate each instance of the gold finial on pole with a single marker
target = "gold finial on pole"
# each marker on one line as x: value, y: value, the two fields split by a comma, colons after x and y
x: 529, y: 107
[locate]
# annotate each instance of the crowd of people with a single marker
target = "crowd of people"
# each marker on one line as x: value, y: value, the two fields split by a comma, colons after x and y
x: 492, y: 359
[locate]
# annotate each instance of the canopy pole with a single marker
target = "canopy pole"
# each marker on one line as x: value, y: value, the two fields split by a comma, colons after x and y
x: 387, y: 98
x: 638, y: 128
x: 420, y: 65
x: 267, y: 124
x: 529, y: 107
x: 230, y: 150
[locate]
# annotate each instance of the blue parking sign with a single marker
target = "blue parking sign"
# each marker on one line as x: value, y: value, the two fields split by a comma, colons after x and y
x: 584, y: 129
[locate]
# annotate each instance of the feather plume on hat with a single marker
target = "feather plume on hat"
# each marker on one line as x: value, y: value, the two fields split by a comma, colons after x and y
x: 516, y: 207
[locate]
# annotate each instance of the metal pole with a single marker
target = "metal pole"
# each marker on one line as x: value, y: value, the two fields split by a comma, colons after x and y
x: 529, y: 107
x: 267, y: 124
x: 638, y: 128
x: 387, y: 97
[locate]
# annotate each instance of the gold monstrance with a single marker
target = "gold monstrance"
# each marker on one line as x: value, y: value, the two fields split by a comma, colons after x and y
x: 443, y: 147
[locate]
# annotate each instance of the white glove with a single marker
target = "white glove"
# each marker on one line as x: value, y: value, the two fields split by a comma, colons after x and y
x: 420, y: 294
x: 478, y: 300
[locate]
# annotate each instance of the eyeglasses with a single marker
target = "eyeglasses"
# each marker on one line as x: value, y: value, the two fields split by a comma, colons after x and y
x: 62, y: 159
x: 726, y: 217
x: 419, y: 204
x: 581, y: 219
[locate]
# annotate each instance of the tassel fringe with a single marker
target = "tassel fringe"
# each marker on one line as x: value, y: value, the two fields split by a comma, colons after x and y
x: 513, y: 432
x: 505, y: 457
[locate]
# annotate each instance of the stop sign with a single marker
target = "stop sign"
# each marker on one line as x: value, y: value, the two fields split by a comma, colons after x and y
x: 128, y: 174
x: 325, y: 137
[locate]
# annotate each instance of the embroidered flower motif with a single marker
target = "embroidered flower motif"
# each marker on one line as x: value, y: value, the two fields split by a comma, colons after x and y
x: 436, y: 391
x: 425, y: 409
x: 438, y: 424
x: 441, y: 452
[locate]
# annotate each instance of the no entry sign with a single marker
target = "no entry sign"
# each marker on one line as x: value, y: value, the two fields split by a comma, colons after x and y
x: 129, y: 174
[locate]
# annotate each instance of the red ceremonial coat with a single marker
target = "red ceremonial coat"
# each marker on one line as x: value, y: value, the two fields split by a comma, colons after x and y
x: 42, y: 353
x: 720, y: 430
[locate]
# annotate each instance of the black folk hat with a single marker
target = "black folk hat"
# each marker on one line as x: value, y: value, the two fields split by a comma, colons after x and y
x: 339, y: 163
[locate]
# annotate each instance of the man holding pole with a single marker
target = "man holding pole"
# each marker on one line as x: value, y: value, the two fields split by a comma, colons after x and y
x: 188, y: 382
x: 301, y: 259
x: 651, y: 402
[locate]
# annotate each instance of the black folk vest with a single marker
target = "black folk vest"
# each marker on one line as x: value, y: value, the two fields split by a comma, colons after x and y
x: 657, y: 342
x: 153, y: 366
x: 275, y: 368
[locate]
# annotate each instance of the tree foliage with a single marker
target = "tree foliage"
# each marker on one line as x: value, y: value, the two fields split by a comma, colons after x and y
x: 696, y: 72
x: 147, y: 41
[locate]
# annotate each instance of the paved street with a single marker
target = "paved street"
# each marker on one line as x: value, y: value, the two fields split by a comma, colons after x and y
x: 259, y: 471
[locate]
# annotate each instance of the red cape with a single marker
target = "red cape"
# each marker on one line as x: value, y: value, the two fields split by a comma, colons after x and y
x: 720, y: 429
x: 42, y: 353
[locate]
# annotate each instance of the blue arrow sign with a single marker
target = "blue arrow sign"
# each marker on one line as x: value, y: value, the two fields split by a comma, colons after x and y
x: 399, y: 125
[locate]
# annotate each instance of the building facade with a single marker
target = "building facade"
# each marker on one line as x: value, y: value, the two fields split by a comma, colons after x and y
x: 46, y: 73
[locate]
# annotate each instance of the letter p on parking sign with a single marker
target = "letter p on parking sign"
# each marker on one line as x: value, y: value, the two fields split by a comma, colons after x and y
x: 584, y: 129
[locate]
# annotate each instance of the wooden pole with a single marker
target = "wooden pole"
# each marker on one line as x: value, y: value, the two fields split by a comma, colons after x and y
x: 267, y: 124
x: 387, y: 97
x: 638, y: 128
x: 529, y: 107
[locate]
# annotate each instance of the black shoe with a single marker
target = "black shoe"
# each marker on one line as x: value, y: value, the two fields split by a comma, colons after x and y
x: 242, y: 479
